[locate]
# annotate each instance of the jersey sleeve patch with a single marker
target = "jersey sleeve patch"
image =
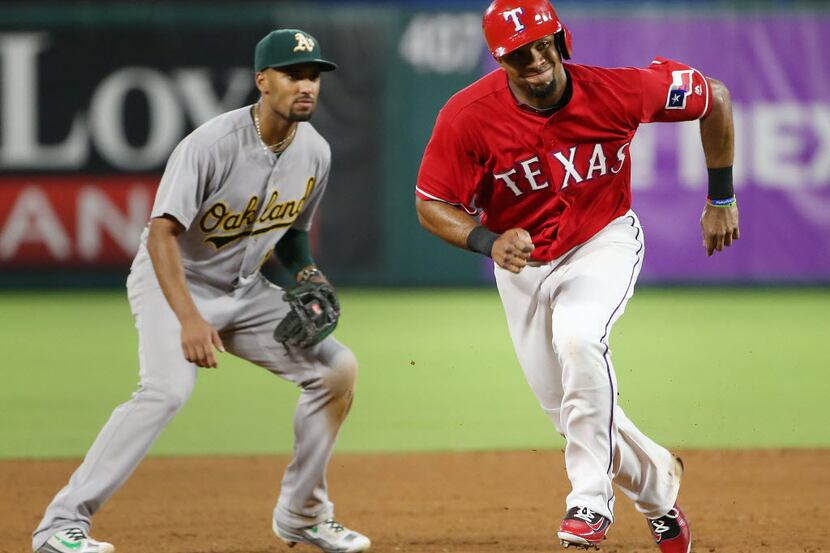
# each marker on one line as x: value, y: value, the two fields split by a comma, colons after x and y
x: 680, y: 88
x: 673, y: 91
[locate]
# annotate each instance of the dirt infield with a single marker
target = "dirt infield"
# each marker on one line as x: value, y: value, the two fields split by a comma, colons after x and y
x: 747, y: 501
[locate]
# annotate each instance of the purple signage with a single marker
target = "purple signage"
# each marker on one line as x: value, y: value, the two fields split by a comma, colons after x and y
x: 777, y: 69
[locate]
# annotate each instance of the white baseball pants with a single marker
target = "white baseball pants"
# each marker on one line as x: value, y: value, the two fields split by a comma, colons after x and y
x: 560, y: 316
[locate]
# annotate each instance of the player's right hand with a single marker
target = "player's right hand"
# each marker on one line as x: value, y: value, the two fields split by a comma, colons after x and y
x: 512, y: 250
x: 198, y: 341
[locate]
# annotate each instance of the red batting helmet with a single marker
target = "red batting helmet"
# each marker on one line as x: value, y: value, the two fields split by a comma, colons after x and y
x: 510, y: 24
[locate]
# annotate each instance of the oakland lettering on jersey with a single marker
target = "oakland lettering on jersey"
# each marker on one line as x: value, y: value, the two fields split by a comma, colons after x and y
x: 574, y: 171
x: 273, y: 215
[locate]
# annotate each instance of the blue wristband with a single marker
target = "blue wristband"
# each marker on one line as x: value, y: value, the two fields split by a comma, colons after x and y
x: 726, y: 202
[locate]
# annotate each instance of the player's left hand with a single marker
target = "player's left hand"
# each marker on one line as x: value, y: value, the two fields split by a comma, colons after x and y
x: 719, y: 226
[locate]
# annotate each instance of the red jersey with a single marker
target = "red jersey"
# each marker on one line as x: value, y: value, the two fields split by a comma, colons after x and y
x: 562, y: 176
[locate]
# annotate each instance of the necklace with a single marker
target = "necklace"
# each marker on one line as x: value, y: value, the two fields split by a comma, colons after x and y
x: 276, y: 146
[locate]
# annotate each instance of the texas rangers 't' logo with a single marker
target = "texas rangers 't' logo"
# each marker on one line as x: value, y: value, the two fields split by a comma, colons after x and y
x: 681, y: 87
x: 514, y: 15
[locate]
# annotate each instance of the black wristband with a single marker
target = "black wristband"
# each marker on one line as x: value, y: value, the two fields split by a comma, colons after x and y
x: 481, y: 240
x: 720, y: 183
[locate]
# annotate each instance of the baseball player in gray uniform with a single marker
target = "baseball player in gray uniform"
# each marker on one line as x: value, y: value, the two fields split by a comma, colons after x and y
x: 241, y: 186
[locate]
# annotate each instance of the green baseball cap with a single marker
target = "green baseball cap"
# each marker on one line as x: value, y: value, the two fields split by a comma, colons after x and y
x: 287, y: 47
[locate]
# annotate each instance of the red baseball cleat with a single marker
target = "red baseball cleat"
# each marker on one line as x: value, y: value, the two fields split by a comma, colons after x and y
x: 671, y: 531
x: 583, y: 528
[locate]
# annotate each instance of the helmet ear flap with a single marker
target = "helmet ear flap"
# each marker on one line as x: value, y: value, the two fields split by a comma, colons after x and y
x: 562, y: 40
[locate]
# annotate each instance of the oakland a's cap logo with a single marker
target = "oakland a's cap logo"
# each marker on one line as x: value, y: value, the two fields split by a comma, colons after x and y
x: 304, y: 43
x: 285, y: 47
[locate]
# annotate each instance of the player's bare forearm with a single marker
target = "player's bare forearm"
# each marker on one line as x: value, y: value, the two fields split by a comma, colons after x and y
x: 198, y: 337
x: 717, y: 131
x: 511, y: 250
x: 719, y: 223
x: 167, y: 264
x: 445, y: 221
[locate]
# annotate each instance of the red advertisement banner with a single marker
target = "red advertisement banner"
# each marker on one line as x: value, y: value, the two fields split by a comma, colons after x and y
x: 73, y: 221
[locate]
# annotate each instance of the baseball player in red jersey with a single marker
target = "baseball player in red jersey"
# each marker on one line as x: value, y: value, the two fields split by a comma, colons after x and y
x: 540, y: 150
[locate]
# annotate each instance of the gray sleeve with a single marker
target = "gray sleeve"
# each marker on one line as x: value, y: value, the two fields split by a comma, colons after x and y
x: 182, y: 187
x: 303, y: 221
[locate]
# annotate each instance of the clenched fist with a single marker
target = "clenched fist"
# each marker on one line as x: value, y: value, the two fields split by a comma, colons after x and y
x: 512, y: 250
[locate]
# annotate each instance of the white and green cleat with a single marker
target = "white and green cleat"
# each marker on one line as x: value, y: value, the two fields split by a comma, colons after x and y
x: 74, y: 540
x: 329, y: 535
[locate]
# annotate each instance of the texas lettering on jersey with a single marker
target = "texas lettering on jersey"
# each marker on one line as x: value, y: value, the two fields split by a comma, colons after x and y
x: 578, y: 164
x: 220, y: 220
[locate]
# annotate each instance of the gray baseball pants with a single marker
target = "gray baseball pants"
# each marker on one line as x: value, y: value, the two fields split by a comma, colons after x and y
x: 245, y: 318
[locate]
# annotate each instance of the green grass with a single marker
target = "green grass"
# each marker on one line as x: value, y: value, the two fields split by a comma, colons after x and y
x: 707, y: 369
